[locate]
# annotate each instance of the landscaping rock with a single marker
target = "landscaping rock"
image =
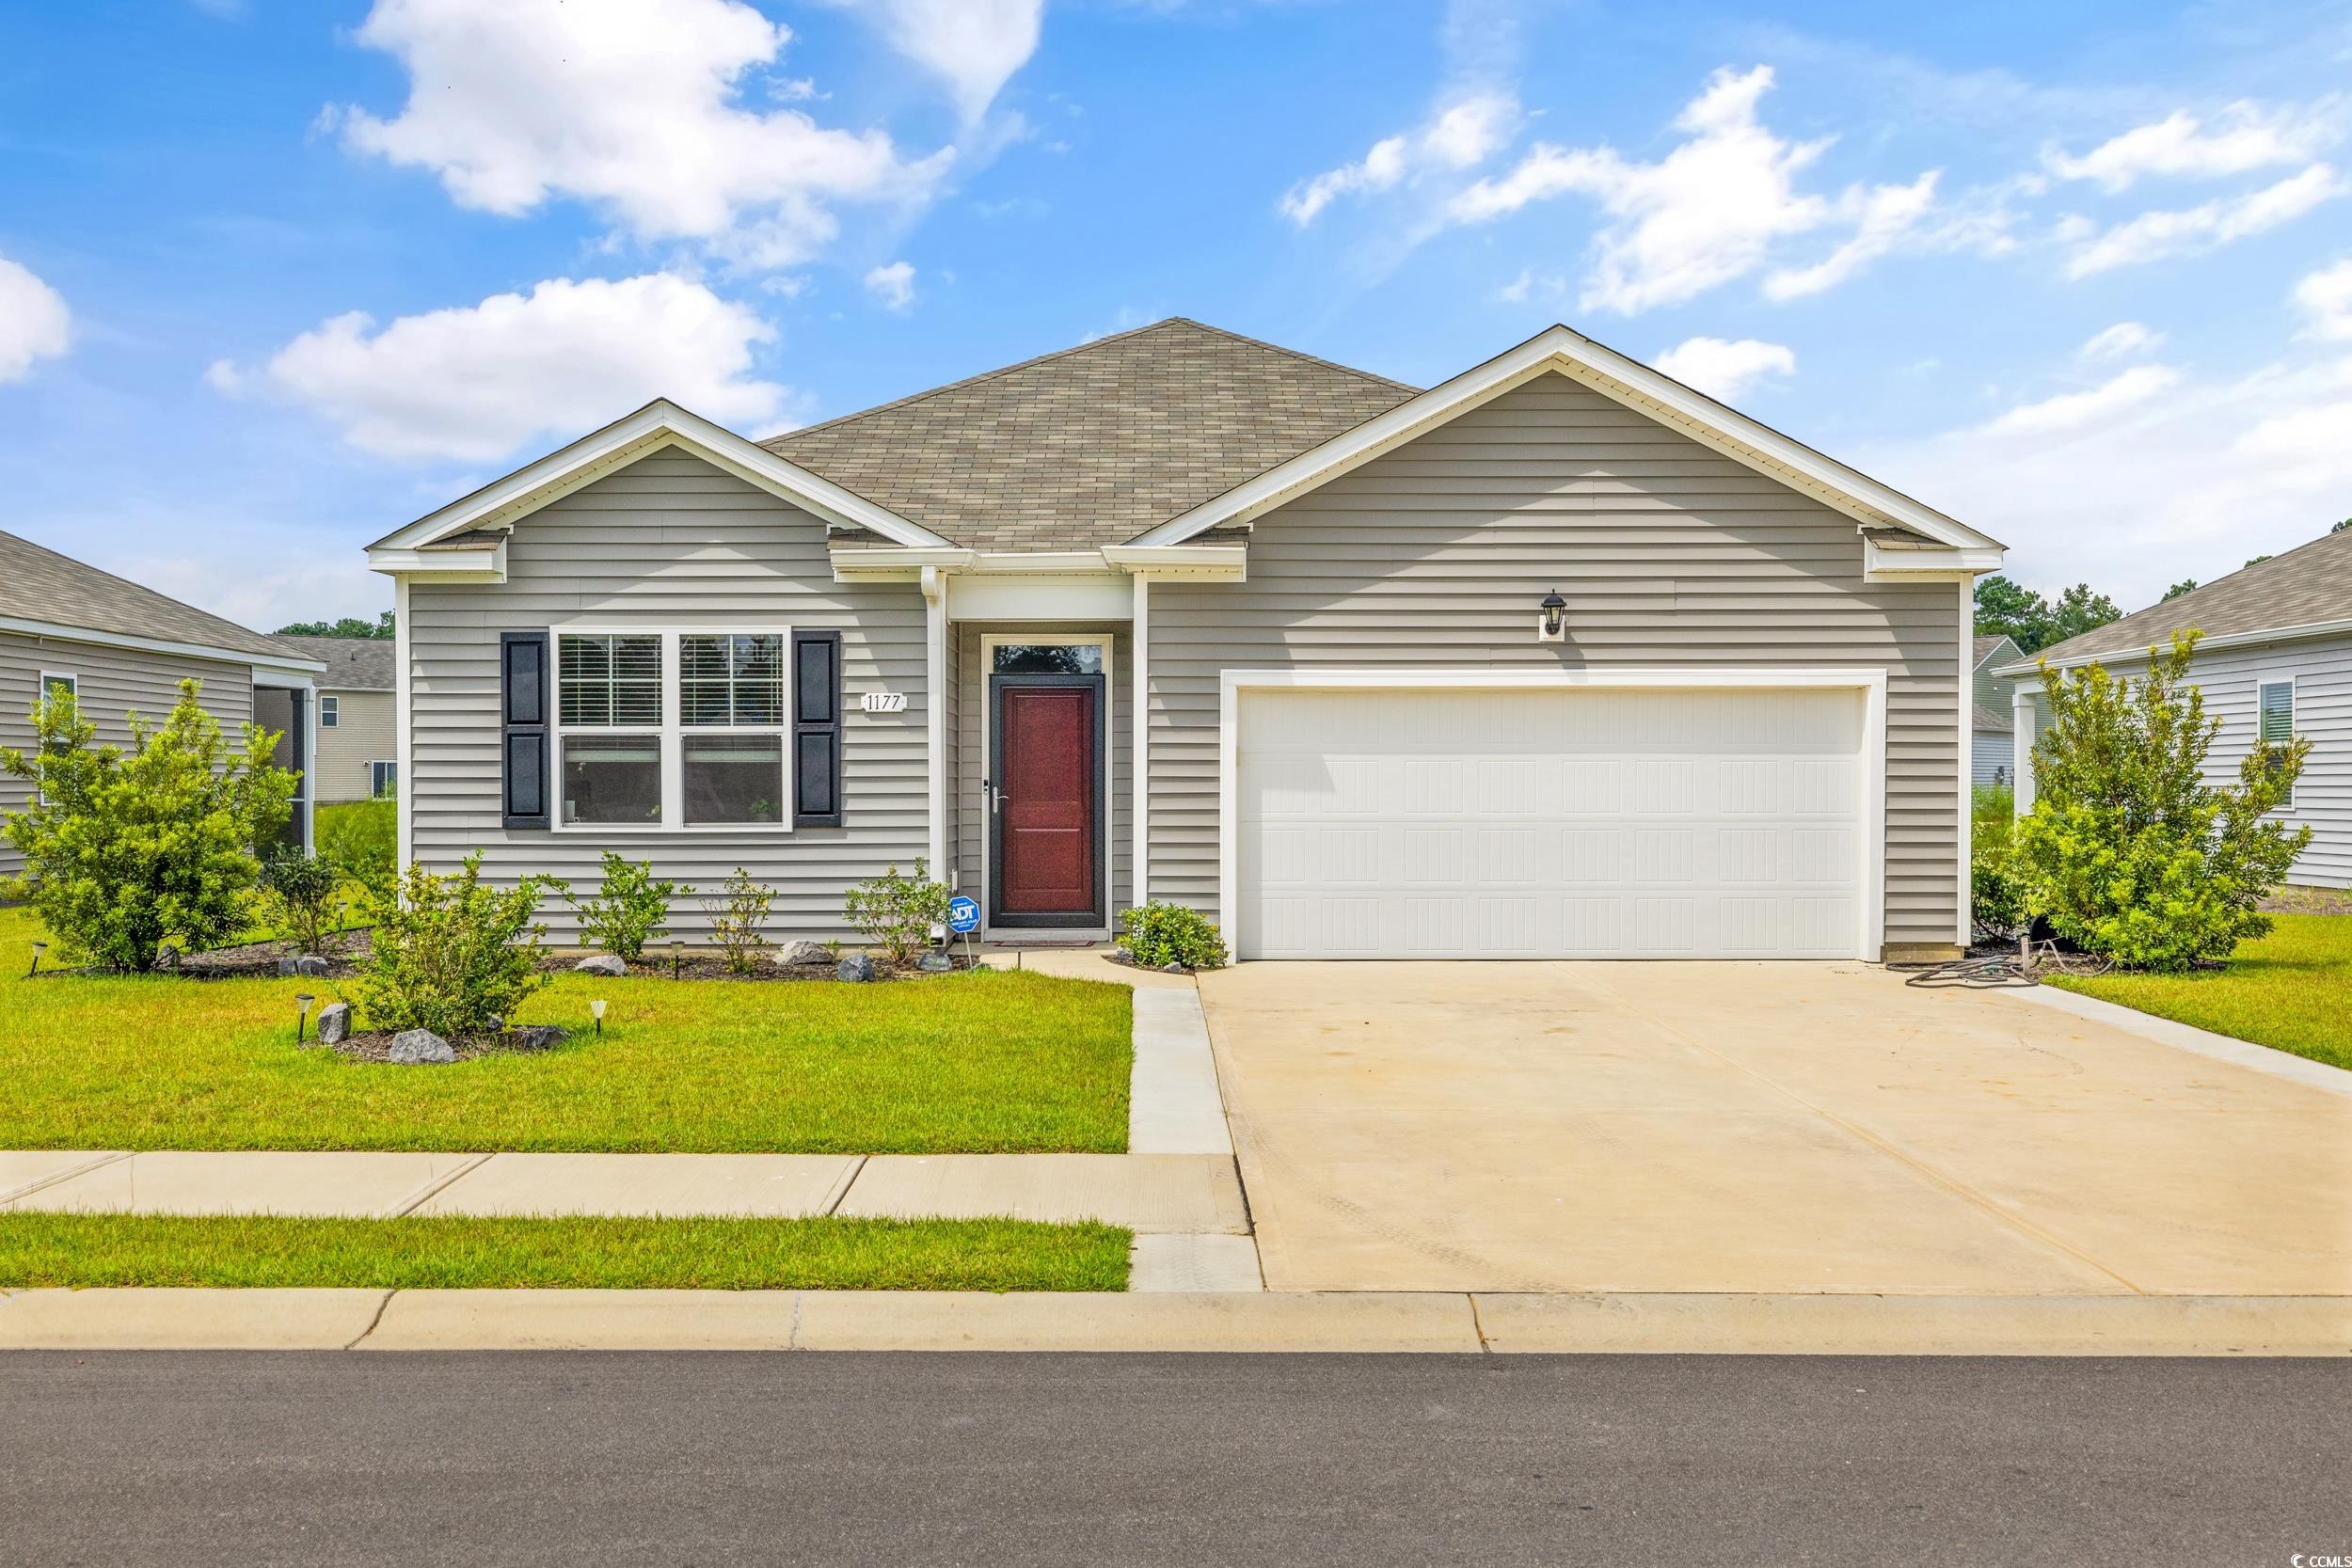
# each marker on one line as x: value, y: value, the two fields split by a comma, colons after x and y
x: 418, y: 1047
x: 795, y: 954
x: 857, y: 966
x: 1174, y: 969
x: 536, y: 1037
x: 304, y: 963
x: 936, y: 962
x: 603, y: 963
x: 335, y: 1023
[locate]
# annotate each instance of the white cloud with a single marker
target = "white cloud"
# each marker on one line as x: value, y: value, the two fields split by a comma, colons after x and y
x: 2073, y: 410
x: 974, y: 46
x: 1460, y: 136
x: 2152, y: 236
x: 2242, y: 138
x: 1725, y: 369
x: 632, y: 107
x: 2324, y: 298
x: 893, y: 284
x: 2123, y: 340
x: 475, y: 383
x: 1710, y: 210
x: 34, y: 321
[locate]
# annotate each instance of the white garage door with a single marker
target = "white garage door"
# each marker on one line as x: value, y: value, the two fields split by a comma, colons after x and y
x: 1617, y: 823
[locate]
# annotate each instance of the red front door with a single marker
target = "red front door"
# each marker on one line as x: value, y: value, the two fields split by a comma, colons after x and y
x: 1047, y: 818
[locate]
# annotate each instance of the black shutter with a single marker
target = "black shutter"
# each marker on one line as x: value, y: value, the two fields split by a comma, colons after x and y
x: 817, y: 729
x: 523, y: 722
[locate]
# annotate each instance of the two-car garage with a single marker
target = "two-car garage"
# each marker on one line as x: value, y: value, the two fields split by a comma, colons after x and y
x: 1660, y: 814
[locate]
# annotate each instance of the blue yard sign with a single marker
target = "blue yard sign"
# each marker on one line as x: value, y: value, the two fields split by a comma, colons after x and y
x: 963, y: 914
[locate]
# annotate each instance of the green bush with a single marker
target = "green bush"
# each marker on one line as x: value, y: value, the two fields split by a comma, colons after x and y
x: 739, y: 919
x: 361, y: 837
x: 447, y: 953
x: 1155, y: 935
x: 125, y: 849
x: 2128, y: 852
x: 301, y: 898
x: 897, y: 912
x: 1998, y: 902
x: 631, y: 911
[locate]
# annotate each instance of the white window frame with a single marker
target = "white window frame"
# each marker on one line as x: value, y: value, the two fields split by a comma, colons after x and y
x: 989, y: 643
x: 671, y: 734
x: 66, y: 678
x: 330, y: 711
x: 2295, y: 711
x: 375, y: 791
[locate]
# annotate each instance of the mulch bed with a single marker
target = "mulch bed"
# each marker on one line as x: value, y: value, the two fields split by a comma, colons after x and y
x: 2308, y: 900
x: 509, y: 1042
x: 704, y: 966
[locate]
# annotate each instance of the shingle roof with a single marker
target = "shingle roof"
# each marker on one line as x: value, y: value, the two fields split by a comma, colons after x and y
x: 1983, y: 648
x: 37, y: 584
x: 353, y: 663
x: 2309, y: 585
x: 1095, y: 443
x: 1991, y: 721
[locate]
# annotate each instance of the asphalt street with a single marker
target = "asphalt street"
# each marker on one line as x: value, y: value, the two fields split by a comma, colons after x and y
x: 682, y: 1458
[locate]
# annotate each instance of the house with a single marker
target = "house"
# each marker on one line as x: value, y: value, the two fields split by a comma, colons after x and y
x: 118, y: 647
x: 357, y: 757
x: 2274, y: 661
x: 1556, y: 658
x: 1992, y: 750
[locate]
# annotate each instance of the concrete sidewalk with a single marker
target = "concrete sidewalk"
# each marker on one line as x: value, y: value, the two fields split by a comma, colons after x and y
x: 1377, y: 1322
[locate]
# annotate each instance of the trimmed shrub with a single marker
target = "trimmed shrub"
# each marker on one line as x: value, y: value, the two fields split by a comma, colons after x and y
x: 2128, y: 852
x: 1155, y: 935
x: 895, y: 912
x: 125, y: 850
x: 361, y: 837
x: 631, y: 911
x: 448, y: 953
x: 300, y: 899
x: 738, y: 920
x: 1998, y: 901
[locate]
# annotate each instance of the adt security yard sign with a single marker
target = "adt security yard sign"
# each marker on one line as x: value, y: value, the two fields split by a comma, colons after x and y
x: 963, y: 915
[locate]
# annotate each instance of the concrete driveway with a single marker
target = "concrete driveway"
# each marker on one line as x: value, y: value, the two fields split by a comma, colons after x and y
x: 1743, y: 1127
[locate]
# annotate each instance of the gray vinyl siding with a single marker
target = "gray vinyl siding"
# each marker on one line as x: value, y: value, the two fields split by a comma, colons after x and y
x: 363, y: 733
x: 1993, y: 758
x: 1668, y: 553
x: 2322, y: 672
x: 968, y: 807
x: 671, y: 541
x: 112, y: 683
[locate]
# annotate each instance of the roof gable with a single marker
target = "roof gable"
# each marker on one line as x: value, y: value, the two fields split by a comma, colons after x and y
x: 1558, y: 350
x: 2303, y: 592
x: 353, y: 663
x: 1093, y: 445
x: 39, y: 587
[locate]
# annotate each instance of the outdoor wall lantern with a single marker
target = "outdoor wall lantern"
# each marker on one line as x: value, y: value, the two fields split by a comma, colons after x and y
x: 39, y: 948
x: 596, y: 1010
x: 1551, y: 626
x: 302, y: 1012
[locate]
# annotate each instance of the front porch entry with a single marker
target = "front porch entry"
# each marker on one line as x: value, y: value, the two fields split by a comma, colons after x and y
x: 1046, y: 790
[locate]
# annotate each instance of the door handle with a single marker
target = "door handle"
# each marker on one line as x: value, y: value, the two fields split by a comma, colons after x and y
x: 997, y: 798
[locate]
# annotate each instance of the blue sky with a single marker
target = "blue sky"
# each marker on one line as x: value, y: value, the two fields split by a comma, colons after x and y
x: 277, y: 277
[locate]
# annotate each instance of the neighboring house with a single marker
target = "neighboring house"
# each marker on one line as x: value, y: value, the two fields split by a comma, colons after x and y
x: 358, y: 757
x: 2275, y: 660
x: 121, y: 647
x: 1558, y: 658
x: 1993, y: 751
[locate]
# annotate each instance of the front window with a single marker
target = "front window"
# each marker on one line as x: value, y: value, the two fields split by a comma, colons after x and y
x: 664, y: 730
x: 2274, y: 718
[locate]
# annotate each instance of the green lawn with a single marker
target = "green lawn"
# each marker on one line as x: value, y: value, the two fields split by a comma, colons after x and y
x: 984, y: 1062
x: 2290, y: 990
x: 81, y: 1250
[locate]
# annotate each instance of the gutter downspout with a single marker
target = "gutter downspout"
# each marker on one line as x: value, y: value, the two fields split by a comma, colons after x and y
x: 935, y: 714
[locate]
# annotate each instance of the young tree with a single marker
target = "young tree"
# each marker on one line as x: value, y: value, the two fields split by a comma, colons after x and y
x: 125, y: 849
x: 2128, y: 851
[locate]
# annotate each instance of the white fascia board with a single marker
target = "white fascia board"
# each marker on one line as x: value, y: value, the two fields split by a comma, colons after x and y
x: 659, y: 424
x: 1557, y: 349
x: 1885, y: 565
x: 441, y: 565
x: 2307, y: 633
x: 61, y: 633
x: 900, y: 566
x: 1181, y: 561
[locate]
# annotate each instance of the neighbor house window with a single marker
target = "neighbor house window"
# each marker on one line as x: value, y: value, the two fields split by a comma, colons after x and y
x: 670, y: 729
x: 2274, y: 715
x: 383, y: 779
x: 55, y: 684
x: 326, y: 713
